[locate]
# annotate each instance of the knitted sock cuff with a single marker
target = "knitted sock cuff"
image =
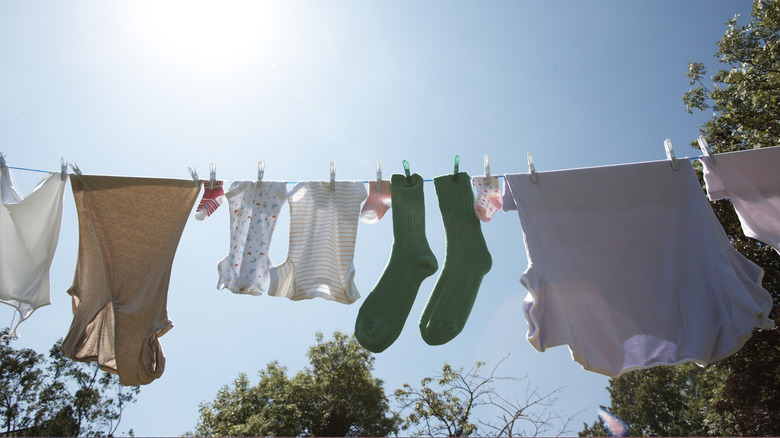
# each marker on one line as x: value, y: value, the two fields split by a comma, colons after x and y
x: 456, y: 203
x: 408, y: 208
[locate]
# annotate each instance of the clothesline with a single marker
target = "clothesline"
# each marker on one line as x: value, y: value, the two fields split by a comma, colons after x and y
x: 288, y: 182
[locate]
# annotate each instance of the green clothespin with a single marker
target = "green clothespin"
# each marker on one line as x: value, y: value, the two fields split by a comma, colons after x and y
x: 457, y: 166
x: 406, y: 169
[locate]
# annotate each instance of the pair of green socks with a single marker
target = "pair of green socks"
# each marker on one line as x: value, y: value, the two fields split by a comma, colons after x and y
x: 383, y: 314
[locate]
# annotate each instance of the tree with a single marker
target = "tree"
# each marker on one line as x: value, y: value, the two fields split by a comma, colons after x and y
x: 741, y: 394
x: 667, y: 401
x: 449, y: 409
x: 58, y: 397
x: 335, y: 396
x: 20, y: 380
x: 745, y: 100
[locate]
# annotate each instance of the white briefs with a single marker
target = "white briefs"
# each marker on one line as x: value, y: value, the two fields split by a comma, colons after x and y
x: 751, y: 179
x: 29, y: 230
x: 323, y: 230
x: 630, y: 268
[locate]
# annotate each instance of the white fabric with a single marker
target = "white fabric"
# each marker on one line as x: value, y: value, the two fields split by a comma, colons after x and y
x: 29, y: 230
x: 323, y: 231
x: 254, y: 209
x: 752, y: 180
x: 629, y: 267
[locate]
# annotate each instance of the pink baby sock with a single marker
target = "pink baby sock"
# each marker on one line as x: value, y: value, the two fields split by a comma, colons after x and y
x: 377, y: 203
x: 488, y: 200
x: 211, y: 200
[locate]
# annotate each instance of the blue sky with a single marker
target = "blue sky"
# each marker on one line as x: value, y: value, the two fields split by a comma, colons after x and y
x: 147, y: 88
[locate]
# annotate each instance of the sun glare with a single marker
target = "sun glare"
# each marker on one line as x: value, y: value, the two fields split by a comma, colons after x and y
x: 210, y: 35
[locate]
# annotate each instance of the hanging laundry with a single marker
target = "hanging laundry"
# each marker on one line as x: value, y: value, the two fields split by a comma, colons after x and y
x: 383, y: 314
x: 211, y: 200
x: 29, y: 230
x: 629, y: 267
x: 129, y: 229
x: 488, y: 200
x: 751, y: 179
x: 254, y: 209
x: 377, y: 203
x: 323, y: 229
x: 466, y: 262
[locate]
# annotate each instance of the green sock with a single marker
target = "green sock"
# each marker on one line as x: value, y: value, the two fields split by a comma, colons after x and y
x: 467, y: 260
x: 383, y: 314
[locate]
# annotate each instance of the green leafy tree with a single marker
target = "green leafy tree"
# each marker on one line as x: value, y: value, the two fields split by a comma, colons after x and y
x: 335, y: 396
x: 448, y: 403
x: 21, y: 376
x: 58, y: 397
x: 667, y: 401
x: 741, y: 394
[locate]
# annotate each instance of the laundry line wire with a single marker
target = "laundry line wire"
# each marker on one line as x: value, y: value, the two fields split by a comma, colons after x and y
x: 288, y: 182
x: 206, y: 180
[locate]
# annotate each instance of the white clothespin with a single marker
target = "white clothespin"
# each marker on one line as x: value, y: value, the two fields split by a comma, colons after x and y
x: 75, y: 168
x: 332, y: 176
x: 531, y: 167
x: 194, y: 175
x: 63, y: 168
x: 487, y: 168
x: 260, y: 170
x: 212, y: 175
x: 378, y: 176
x: 2, y: 160
x: 705, y: 148
x: 670, y: 153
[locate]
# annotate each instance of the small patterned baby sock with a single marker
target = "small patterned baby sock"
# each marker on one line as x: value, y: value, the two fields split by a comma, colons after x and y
x: 377, y: 203
x: 211, y: 200
x: 383, y: 314
x: 467, y: 260
x: 488, y: 200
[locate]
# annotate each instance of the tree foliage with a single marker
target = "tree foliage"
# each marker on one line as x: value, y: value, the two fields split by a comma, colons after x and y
x: 57, y: 396
x: 335, y: 396
x: 745, y: 95
x: 447, y: 404
x: 741, y: 394
x: 667, y: 401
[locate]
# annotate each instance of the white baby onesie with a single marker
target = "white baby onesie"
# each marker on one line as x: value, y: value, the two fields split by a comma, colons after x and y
x: 751, y: 179
x: 323, y: 230
x: 29, y: 230
x: 630, y: 268
x: 254, y: 209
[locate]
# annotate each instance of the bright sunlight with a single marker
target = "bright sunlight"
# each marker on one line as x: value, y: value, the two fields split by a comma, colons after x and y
x: 206, y: 35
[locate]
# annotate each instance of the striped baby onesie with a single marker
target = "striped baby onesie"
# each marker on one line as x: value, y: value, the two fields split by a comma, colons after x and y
x: 323, y: 229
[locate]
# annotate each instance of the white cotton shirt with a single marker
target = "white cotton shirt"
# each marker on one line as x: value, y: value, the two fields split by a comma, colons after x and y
x: 630, y: 268
x: 323, y: 232
x: 29, y: 231
x: 751, y: 179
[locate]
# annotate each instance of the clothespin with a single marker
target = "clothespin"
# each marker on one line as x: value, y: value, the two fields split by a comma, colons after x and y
x: 63, y: 168
x: 705, y: 148
x: 2, y: 159
x: 194, y: 175
x: 406, y: 170
x: 531, y: 167
x: 212, y: 175
x: 260, y: 170
x: 75, y: 168
x: 332, y: 176
x: 378, y: 176
x: 487, y: 168
x: 670, y: 153
x: 456, y: 168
